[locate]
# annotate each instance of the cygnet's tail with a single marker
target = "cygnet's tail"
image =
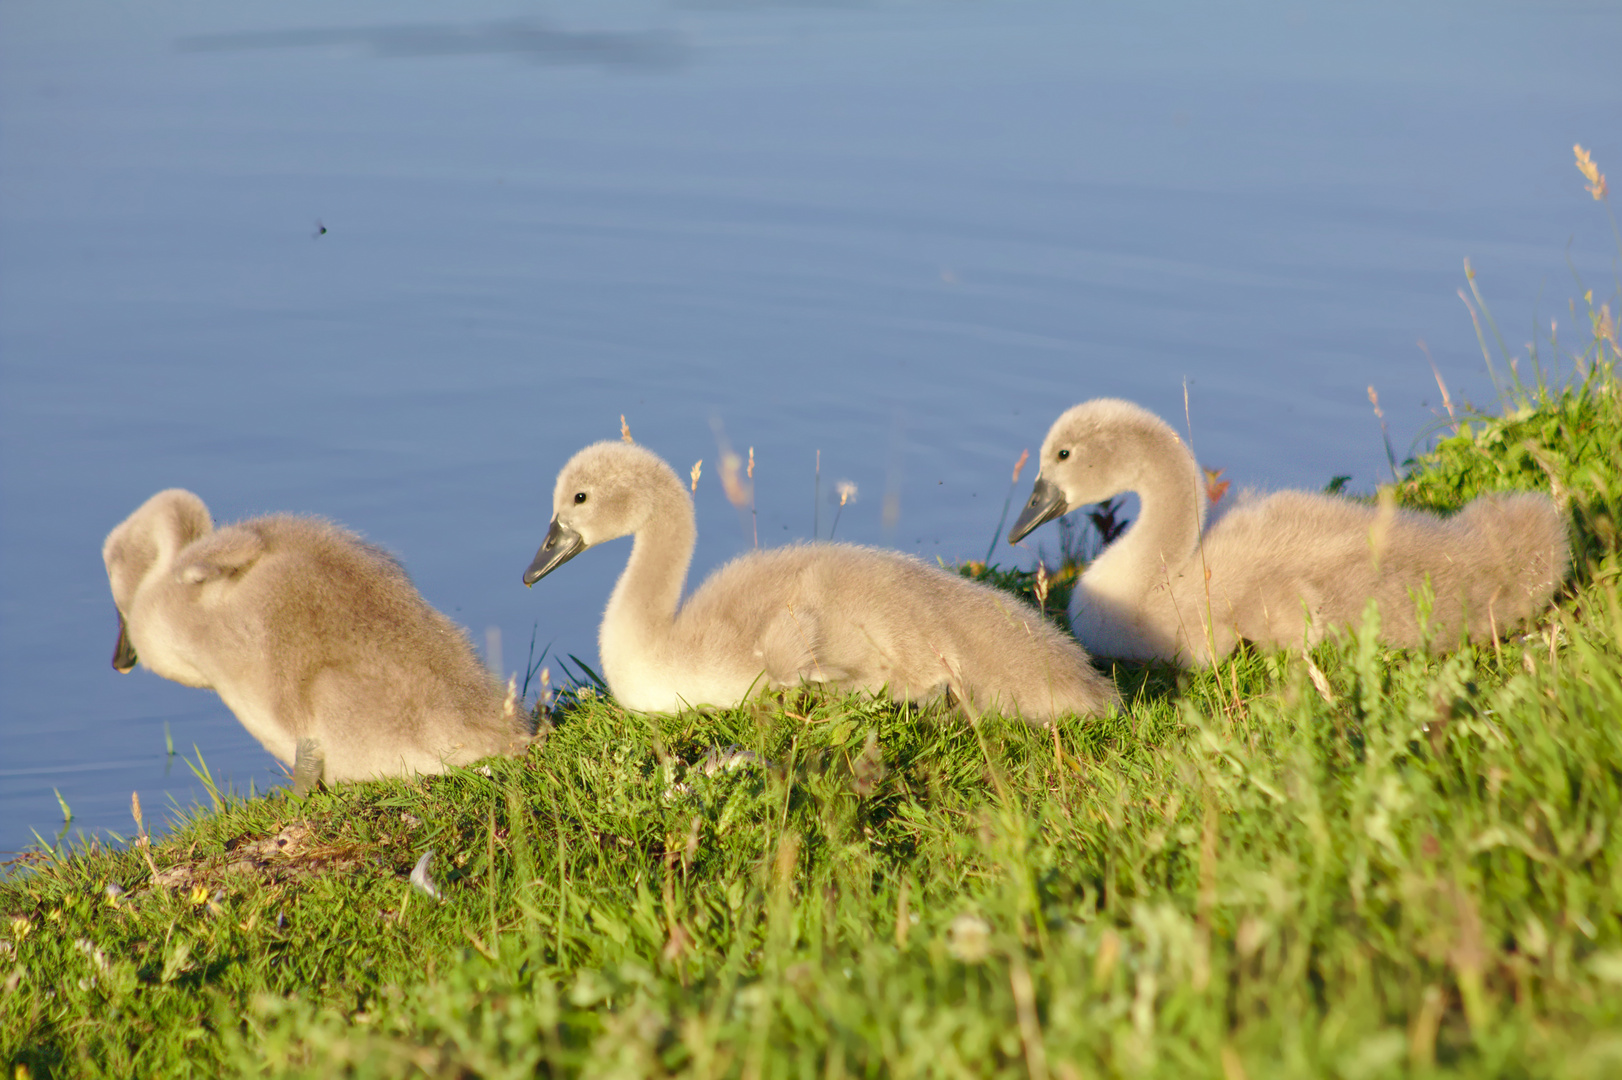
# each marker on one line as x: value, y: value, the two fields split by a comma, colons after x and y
x: 1038, y: 672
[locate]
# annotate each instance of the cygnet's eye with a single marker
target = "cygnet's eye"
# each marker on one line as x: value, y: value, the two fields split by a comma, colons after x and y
x: 1064, y: 454
x: 579, y: 497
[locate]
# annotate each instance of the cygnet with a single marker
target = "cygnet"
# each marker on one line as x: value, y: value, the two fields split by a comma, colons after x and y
x: 1280, y: 570
x: 837, y: 614
x: 315, y: 639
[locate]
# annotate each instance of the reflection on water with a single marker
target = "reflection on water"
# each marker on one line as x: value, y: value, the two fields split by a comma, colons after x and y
x: 525, y: 37
x: 903, y: 236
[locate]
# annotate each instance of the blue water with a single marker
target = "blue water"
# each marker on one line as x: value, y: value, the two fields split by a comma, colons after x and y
x: 906, y: 235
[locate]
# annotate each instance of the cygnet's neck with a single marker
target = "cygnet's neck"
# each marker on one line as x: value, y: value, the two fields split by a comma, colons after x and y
x: 642, y: 610
x: 1171, y: 515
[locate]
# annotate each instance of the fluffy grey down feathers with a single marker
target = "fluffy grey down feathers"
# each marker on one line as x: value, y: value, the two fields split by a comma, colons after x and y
x: 847, y: 616
x: 307, y: 633
x: 1282, y: 569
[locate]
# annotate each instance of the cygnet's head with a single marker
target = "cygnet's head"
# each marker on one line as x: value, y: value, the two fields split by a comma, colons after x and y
x: 145, y: 543
x: 1094, y: 451
x: 607, y: 490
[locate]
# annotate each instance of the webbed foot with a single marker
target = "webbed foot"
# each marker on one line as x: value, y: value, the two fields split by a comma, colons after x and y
x: 308, y: 765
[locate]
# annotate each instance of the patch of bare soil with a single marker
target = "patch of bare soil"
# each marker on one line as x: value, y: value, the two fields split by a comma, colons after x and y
x: 288, y: 855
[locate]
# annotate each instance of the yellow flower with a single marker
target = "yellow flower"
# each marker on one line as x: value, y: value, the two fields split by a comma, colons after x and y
x: 1590, y: 171
x: 199, y: 894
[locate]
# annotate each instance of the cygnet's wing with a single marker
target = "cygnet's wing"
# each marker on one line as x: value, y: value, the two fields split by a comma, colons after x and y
x: 793, y: 650
x: 223, y: 553
x: 1298, y: 565
x: 1277, y: 570
x: 1491, y: 565
x: 764, y: 613
x: 876, y: 620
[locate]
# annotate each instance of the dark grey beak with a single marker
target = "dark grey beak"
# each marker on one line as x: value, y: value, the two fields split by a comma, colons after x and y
x: 123, y: 653
x: 1046, y: 503
x: 562, y: 544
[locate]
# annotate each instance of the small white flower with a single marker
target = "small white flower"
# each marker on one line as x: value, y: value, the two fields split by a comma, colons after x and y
x: 968, y: 938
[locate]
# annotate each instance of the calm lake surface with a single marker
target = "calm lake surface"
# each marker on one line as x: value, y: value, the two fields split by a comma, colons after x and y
x: 906, y: 235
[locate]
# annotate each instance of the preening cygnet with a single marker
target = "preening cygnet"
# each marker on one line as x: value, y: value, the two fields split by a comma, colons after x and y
x: 316, y: 640
x: 1278, y: 570
x: 847, y: 616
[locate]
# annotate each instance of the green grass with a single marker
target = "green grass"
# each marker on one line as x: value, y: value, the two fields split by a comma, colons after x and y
x: 1413, y: 869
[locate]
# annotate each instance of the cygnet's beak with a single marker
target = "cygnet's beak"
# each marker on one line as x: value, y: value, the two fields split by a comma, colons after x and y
x: 562, y: 544
x: 123, y: 653
x: 1046, y: 503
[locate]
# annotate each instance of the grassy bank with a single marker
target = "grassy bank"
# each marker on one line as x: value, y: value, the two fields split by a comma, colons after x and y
x: 1358, y: 863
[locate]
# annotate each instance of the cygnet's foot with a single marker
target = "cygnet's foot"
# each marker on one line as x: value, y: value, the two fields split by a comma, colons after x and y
x: 726, y: 759
x: 308, y: 765
x: 952, y: 695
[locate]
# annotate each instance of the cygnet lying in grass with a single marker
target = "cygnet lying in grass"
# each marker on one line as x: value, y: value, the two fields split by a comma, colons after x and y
x: 317, y: 641
x: 845, y: 616
x: 1279, y: 570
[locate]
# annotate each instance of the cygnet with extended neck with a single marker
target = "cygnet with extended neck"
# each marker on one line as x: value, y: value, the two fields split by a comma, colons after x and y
x: 837, y: 614
x: 1279, y: 570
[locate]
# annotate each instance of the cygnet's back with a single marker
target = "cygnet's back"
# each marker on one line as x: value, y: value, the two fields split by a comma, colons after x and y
x: 858, y: 617
x: 1295, y: 555
x: 308, y: 634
